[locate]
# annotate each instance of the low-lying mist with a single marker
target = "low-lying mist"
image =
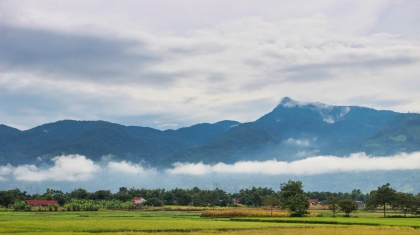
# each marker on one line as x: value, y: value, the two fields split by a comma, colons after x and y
x: 320, y: 173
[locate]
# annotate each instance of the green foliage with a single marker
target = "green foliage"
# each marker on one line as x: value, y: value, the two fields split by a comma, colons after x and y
x: 79, y: 193
x: 95, y: 205
x: 406, y: 202
x: 97, y: 138
x: 48, y: 195
x: 333, y: 204
x: 382, y: 196
x: 153, y: 202
x: 257, y: 199
x: 293, y: 198
x: 347, y: 206
x: 298, y: 205
x: 21, y: 206
x: 8, y: 197
x: 355, y: 194
x: 400, y: 138
x: 271, y: 201
x: 399, y: 134
x: 290, y: 189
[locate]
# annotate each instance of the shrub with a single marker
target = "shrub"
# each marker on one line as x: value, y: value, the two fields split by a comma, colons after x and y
x: 244, y: 213
x: 21, y: 206
x: 153, y: 202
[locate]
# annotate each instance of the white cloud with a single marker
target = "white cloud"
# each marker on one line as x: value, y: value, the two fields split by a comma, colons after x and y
x: 6, y: 170
x: 300, y: 142
x: 74, y: 171
x: 65, y: 168
x: 129, y: 167
x: 308, y: 166
x: 72, y: 168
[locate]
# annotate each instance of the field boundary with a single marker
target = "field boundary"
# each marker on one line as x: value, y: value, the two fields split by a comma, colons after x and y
x: 316, y: 222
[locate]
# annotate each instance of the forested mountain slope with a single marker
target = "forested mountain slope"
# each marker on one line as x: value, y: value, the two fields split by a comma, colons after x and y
x: 293, y: 130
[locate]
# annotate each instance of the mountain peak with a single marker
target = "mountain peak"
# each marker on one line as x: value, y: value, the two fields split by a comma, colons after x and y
x: 329, y: 113
x: 288, y: 102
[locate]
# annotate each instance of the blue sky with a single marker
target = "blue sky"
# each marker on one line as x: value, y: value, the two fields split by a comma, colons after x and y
x: 169, y: 64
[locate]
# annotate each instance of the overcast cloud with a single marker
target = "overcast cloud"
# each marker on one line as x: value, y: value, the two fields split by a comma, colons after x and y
x: 168, y: 64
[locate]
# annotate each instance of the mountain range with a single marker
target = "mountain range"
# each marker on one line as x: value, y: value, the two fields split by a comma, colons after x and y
x: 293, y: 130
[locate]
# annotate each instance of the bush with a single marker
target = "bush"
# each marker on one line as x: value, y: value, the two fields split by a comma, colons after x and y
x: 21, y: 206
x: 153, y: 202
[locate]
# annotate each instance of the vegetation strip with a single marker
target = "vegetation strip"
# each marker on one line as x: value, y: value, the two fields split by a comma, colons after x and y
x: 171, y: 230
x: 303, y: 222
x: 316, y: 222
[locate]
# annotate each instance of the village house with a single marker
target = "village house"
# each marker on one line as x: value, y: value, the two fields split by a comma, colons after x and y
x: 313, y: 201
x: 41, y: 202
x: 138, y: 201
x: 236, y: 200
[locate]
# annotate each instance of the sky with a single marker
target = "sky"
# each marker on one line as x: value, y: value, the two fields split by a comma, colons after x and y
x: 170, y: 64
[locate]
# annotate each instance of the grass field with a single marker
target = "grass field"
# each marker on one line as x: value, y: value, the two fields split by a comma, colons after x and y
x: 136, y: 222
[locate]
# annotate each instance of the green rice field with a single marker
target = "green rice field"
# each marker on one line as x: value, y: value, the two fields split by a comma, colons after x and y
x: 160, y: 222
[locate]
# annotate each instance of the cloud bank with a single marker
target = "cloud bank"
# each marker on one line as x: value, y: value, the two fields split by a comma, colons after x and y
x: 71, y: 168
x: 308, y: 166
x: 328, y: 173
x: 65, y: 168
x: 129, y: 167
x: 77, y: 168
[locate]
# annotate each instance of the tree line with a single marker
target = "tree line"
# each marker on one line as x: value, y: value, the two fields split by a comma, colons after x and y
x: 291, y: 196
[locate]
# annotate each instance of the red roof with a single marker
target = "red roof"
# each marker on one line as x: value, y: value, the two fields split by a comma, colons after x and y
x: 41, y: 202
x: 313, y: 200
x: 138, y: 200
x: 236, y: 200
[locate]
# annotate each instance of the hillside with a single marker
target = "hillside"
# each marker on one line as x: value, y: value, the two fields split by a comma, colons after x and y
x: 291, y: 131
x: 95, y: 139
x: 399, y: 134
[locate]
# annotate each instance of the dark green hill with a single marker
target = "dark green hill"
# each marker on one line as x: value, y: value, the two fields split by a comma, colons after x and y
x: 95, y: 139
x: 359, y: 124
x: 236, y: 144
x: 292, y: 131
x: 399, y: 134
x: 8, y: 130
x: 333, y: 129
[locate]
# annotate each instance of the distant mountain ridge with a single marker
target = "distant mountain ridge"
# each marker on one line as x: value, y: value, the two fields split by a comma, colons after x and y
x: 293, y: 130
x: 95, y: 139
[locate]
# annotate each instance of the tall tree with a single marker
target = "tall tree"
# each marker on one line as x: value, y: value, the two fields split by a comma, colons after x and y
x: 271, y: 201
x: 290, y: 189
x: 79, y: 193
x: 257, y: 199
x: 293, y: 198
x: 298, y: 204
x: 405, y: 202
x: 347, y: 206
x: 382, y: 196
x: 214, y: 197
x: 333, y: 204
